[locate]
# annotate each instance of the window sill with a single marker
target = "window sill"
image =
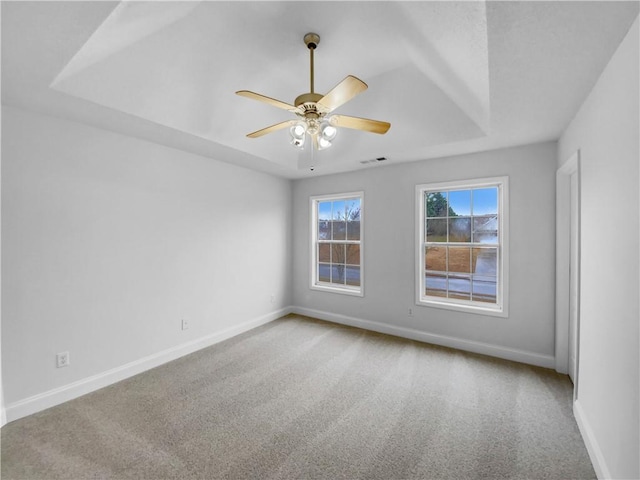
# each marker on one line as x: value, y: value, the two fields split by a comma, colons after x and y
x: 467, y: 308
x: 354, y: 292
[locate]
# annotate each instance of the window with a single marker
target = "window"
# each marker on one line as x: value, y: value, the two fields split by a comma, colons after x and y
x: 336, y: 250
x: 462, y: 245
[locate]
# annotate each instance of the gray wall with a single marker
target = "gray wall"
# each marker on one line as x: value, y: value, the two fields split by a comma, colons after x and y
x: 109, y: 241
x: 605, y: 130
x: 389, y: 252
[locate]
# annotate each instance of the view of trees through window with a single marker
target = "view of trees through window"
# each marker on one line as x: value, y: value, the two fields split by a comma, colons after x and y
x: 460, y: 248
x: 338, y: 242
x: 461, y: 244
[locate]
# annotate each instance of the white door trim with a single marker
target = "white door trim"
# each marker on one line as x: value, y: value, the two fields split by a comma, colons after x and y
x: 563, y: 257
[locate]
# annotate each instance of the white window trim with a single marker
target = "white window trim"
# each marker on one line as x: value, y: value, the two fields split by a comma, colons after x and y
x: 501, y: 309
x: 347, y: 289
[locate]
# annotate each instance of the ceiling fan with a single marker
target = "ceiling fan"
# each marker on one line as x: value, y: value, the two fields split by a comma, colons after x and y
x: 314, y: 109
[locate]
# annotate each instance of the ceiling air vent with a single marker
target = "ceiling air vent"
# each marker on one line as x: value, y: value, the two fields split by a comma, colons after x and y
x: 374, y: 160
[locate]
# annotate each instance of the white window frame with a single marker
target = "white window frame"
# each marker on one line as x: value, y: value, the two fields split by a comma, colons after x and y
x: 313, y: 207
x: 500, y: 309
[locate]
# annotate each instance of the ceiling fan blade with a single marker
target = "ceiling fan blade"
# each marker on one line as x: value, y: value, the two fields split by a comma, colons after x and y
x: 272, y: 128
x: 342, y: 93
x: 373, y: 126
x: 269, y: 100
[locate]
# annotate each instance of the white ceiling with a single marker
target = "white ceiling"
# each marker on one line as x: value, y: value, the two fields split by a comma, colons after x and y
x: 450, y: 77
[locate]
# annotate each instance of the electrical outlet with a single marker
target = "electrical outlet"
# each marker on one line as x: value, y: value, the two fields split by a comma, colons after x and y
x: 62, y: 359
x: 185, y: 324
x: 273, y: 299
x: 410, y: 312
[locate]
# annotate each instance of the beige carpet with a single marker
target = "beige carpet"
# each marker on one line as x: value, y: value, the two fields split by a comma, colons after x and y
x: 303, y: 399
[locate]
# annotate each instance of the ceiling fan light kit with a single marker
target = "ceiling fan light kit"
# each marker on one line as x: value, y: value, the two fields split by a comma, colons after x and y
x: 313, y: 110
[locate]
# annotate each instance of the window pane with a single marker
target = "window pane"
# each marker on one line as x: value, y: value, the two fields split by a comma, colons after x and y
x: 337, y: 274
x: 339, y: 229
x: 435, y: 284
x: 353, y: 276
x: 324, y: 272
x: 485, y: 229
x: 460, y: 286
x: 485, y: 201
x: 324, y: 252
x: 460, y: 229
x: 436, y: 259
x: 436, y: 204
x: 353, y: 219
x: 353, y: 230
x: 484, y: 289
x: 324, y: 229
x: 459, y: 203
x: 337, y: 252
x: 352, y: 207
x: 460, y: 259
x: 324, y: 210
x: 485, y: 261
x: 437, y: 230
x: 339, y: 224
x: 353, y: 254
x: 324, y: 220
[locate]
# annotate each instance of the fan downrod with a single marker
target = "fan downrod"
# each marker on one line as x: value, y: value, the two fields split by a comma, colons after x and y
x: 309, y: 100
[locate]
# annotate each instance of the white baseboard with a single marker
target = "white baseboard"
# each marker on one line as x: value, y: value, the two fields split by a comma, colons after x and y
x: 3, y: 411
x: 547, y: 361
x: 595, y: 454
x: 59, y: 395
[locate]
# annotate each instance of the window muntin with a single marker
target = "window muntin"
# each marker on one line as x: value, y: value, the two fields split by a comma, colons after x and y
x: 336, y: 263
x: 462, y: 245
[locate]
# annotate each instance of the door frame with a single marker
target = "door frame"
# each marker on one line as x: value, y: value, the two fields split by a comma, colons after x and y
x: 563, y: 264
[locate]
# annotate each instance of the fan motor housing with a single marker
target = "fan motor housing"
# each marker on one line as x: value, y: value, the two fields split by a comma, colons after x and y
x: 308, y: 104
x: 307, y: 98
